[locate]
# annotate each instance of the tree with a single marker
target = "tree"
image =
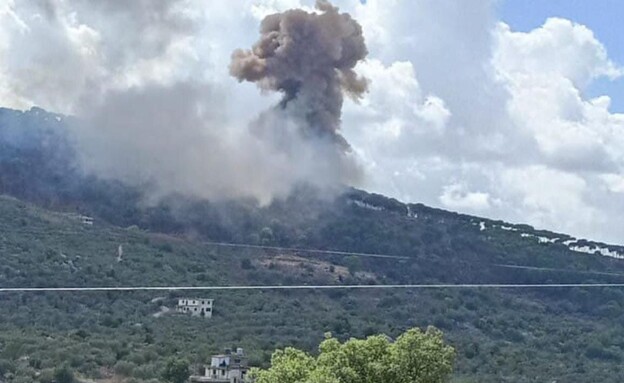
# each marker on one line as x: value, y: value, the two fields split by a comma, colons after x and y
x: 63, y: 375
x: 176, y: 371
x: 246, y: 264
x: 415, y: 357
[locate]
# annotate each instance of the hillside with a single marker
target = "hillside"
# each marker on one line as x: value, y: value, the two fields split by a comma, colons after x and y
x: 529, y: 335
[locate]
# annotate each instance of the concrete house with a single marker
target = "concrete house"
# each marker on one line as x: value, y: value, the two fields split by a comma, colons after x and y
x: 225, y: 368
x: 200, y: 307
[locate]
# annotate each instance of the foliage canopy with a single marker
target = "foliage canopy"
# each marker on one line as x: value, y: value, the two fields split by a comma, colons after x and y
x: 176, y: 371
x: 415, y: 357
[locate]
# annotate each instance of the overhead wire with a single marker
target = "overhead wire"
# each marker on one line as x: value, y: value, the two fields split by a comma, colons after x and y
x: 357, y: 254
x: 311, y: 287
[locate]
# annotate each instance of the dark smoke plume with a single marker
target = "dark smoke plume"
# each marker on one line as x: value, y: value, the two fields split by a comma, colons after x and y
x: 310, y: 58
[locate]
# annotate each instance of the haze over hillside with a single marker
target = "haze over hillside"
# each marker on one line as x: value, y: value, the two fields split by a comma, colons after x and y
x: 40, y: 164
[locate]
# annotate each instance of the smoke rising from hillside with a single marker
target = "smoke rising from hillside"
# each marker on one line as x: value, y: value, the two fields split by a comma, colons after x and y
x: 155, y: 109
x: 177, y: 138
x: 309, y: 57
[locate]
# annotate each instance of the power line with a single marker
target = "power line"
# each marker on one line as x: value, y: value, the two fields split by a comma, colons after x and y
x: 236, y: 245
x: 535, y: 268
x: 377, y: 255
x: 339, y: 252
x: 310, y: 287
x: 303, y: 250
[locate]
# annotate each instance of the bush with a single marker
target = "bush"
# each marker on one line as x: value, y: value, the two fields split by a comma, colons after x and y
x: 176, y: 371
x: 64, y: 374
x: 246, y: 264
x: 124, y: 368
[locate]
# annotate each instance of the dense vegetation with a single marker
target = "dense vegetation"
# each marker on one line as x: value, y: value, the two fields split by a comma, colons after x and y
x: 529, y: 335
x: 415, y: 357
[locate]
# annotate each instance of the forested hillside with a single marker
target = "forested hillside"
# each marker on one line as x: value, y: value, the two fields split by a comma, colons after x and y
x: 515, y: 335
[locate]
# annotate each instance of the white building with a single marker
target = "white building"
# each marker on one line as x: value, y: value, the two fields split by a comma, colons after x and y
x: 226, y: 368
x: 195, y: 306
x: 86, y: 220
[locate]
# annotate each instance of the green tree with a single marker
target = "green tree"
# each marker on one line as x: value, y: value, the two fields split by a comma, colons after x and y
x: 415, y: 357
x: 64, y: 375
x: 176, y: 371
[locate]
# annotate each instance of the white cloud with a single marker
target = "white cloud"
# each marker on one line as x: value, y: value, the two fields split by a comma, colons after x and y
x: 558, y: 48
x: 546, y: 70
x: 550, y: 198
x: 455, y: 196
x: 261, y: 9
x: 614, y: 182
x: 520, y: 138
x: 394, y: 111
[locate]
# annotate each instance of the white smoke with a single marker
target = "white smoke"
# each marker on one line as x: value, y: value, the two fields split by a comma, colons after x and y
x: 152, y: 107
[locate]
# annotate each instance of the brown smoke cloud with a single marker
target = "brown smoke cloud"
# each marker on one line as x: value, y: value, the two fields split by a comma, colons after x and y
x: 310, y: 58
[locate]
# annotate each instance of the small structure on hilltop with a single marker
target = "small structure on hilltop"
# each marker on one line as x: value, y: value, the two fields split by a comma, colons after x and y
x: 86, y: 220
x: 201, y: 307
x: 83, y: 219
x: 225, y: 368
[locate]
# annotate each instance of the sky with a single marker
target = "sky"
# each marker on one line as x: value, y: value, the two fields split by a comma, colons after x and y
x: 602, y: 17
x: 507, y: 109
